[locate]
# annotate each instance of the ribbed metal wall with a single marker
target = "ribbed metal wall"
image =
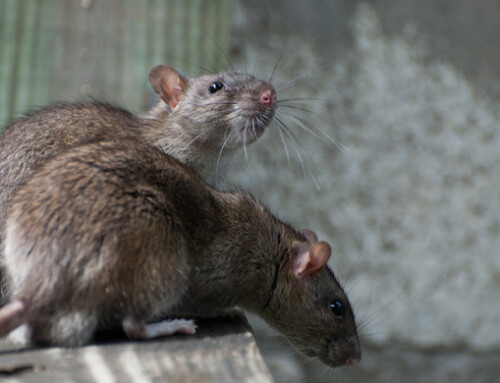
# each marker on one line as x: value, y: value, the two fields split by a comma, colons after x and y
x: 64, y: 50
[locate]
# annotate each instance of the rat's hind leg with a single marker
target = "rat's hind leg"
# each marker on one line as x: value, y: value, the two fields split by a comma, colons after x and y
x: 12, y: 315
x: 21, y: 336
x: 136, y: 329
x: 69, y: 329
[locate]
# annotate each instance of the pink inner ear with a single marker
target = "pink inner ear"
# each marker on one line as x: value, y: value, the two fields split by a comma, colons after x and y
x: 308, y: 262
x: 320, y: 252
x: 167, y: 83
x: 173, y: 86
x: 300, y: 263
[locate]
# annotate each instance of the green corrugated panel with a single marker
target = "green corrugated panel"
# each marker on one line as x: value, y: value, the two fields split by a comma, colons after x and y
x: 40, y: 64
x: 61, y: 50
x: 8, y: 24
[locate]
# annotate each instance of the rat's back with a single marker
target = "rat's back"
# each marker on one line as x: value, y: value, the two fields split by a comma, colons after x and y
x: 69, y: 247
x: 32, y: 140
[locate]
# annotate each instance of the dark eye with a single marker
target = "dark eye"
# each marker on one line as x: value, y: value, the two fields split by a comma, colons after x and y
x: 337, y: 308
x: 215, y: 86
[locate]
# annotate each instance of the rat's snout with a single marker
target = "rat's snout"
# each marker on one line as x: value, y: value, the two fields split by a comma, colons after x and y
x: 344, y: 353
x: 355, y: 356
x: 267, y: 96
x: 351, y: 361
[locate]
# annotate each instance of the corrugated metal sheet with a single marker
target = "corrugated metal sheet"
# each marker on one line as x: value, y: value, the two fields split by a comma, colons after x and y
x: 61, y: 50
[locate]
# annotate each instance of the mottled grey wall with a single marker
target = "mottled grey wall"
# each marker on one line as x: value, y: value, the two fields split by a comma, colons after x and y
x: 410, y: 197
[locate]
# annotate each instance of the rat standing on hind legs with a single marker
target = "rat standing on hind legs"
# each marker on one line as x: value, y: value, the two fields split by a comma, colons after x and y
x: 120, y: 234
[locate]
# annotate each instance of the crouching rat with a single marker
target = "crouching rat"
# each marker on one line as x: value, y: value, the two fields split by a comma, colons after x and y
x: 98, y: 238
x: 201, y: 121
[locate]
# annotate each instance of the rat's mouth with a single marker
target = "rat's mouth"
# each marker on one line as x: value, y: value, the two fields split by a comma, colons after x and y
x: 253, y: 129
x: 254, y: 123
x: 322, y: 356
x: 331, y: 361
x: 346, y: 352
x: 352, y: 361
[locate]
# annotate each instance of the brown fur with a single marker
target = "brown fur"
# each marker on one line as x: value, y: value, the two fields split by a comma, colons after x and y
x: 97, y: 235
x: 201, y: 130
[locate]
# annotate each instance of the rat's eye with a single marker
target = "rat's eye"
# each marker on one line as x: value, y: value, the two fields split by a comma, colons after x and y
x: 215, y: 86
x: 337, y: 308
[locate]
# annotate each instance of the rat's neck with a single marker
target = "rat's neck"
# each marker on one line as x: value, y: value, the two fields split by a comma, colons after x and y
x: 241, y: 265
x: 254, y: 260
x: 160, y: 127
x: 168, y: 132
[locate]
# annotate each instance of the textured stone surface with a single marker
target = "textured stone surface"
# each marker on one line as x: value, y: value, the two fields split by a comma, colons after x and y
x: 410, y: 197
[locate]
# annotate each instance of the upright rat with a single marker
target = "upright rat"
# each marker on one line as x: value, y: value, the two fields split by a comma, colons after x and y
x: 99, y: 238
x: 198, y: 120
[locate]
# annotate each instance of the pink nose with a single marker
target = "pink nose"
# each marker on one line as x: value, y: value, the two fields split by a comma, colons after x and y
x: 267, y: 97
x: 351, y: 361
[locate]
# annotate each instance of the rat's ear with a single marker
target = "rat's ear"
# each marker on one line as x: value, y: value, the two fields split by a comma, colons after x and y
x: 167, y: 83
x: 311, y: 260
x: 310, y: 235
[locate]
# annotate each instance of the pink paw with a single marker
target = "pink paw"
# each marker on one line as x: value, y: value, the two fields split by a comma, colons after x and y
x: 139, y: 330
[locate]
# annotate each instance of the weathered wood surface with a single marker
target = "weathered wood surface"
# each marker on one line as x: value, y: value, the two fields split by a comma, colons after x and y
x: 223, y: 350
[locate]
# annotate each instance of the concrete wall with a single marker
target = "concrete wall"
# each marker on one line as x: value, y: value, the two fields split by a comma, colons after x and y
x: 410, y: 195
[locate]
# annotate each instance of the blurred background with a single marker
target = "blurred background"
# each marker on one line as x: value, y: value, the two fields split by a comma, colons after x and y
x: 400, y: 172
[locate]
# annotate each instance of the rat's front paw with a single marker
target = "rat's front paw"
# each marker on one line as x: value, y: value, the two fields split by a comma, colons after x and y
x: 169, y: 327
x: 21, y: 336
x: 139, y: 330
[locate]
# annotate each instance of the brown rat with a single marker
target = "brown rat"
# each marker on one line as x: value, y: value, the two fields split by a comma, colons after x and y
x: 197, y: 120
x: 99, y: 238
x: 200, y: 121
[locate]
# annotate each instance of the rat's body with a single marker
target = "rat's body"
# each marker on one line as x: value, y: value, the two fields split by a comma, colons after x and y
x: 98, y: 238
x: 200, y: 121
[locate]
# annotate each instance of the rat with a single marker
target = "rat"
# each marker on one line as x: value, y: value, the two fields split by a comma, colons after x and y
x: 119, y: 234
x: 201, y: 121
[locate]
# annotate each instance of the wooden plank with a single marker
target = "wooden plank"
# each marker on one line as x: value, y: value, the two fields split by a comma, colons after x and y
x: 223, y: 350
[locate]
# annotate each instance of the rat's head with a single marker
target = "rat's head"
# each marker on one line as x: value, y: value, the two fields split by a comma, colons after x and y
x: 309, y: 307
x: 225, y: 110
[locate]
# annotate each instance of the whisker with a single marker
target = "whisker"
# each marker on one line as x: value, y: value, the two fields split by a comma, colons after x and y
x: 217, y: 45
x: 289, y: 134
x: 274, y: 73
x: 220, y: 154
x: 300, y: 99
x: 304, y: 157
x: 304, y: 78
x: 303, y: 109
x: 212, y: 103
x: 192, y: 141
x: 367, y: 321
x: 351, y: 269
x: 312, y: 129
x: 245, y: 147
x: 254, y: 130
x: 245, y: 58
x: 293, y: 57
x: 280, y: 130
x: 255, y: 66
x: 178, y: 61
